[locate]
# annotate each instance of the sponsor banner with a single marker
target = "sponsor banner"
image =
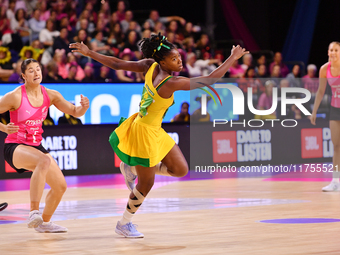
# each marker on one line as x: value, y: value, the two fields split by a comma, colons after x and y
x: 108, y: 102
x: 228, y: 148
x: 85, y: 150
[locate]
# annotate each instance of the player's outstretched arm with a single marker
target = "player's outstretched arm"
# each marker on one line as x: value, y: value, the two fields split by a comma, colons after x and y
x: 182, y: 83
x: 66, y: 107
x: 114, y: 63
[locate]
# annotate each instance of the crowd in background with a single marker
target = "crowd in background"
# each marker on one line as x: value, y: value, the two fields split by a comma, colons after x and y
x: 43, y: 30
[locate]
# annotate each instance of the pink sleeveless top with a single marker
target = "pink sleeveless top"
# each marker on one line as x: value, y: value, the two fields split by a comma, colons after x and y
x: 334, y: 82
x: 29, y: 119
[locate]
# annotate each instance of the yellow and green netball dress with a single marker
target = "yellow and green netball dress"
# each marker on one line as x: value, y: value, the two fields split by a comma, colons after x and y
x: 140, y: 139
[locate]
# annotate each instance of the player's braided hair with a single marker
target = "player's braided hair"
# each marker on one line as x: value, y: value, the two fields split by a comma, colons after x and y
x: 156, y: 47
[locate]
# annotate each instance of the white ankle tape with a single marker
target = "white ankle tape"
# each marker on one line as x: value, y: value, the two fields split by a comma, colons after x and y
x: 161, y: 169
x: 134, y: 204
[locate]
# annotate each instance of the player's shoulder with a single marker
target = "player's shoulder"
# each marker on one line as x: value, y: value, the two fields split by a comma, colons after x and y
x: 323, y: 70
x: 14, y: 94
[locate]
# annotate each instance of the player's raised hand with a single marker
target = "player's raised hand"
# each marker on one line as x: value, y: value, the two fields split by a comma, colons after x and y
x: 238, y: 51
x: 10, y: 128
x: 79, y: 47
x: 84, y: 102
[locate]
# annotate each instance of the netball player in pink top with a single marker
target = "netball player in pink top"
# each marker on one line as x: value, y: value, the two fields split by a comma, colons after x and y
x: 28, y: 105
x: 331, y: 72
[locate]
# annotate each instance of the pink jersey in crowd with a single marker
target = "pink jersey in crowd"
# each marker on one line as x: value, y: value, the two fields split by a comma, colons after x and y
x: 29, y: 119
x: 334, y: 82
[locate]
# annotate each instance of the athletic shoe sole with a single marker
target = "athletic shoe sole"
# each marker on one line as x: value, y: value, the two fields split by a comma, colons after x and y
x: 121, y: 168
x: 122, y: 234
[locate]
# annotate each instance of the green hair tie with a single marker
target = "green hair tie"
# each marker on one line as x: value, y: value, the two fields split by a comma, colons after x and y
x: 160, y: 46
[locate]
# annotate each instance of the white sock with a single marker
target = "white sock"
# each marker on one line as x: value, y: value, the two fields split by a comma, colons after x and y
x: 161, y: 169
x: 336, y: 176
x: 45, y: 223
x: 127, y: 217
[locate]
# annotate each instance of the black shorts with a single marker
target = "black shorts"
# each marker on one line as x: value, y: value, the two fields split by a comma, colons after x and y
x: 334, y: 113
x: 9, y: 150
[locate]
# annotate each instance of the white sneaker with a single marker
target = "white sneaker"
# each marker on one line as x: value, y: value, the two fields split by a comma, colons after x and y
x: 128, y: 230
x: 129, y: 176
x: 332, y: 187
x: 51, y: 227
x: 34, y: 219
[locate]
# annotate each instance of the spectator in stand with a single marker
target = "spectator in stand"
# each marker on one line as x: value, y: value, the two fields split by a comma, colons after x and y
x: 98, y: 45
x: 73, y: 61
x: 146, y: 25
x: 65, y: 23
x: 294, y: 77
x: 5, y: 27
x: 127, y: 76
x: 125, y: 23
x: 62, y: 41
x: 101, y: 26
x: 104, y: 75
x: 159, y: 27
x: 84, y: 22
x: 120, y: 10
x: 247, y: 61
x: 113, y: 21
x: 188, y: 30
x: 10, y: 12
x: 48, y: 34
x: 310, y: 80
x: 183, y: 115
x: 278, y: 61
x: 250, y: 81
x: 35, y: 24
x: 189, y: 44
x: 15, y: 77
x: 19, y: 25
x: 236, y: 71
x: 47, y: 37
x: 131, y: 43
x: 202, y: 66
x: 261, y: 60
x: 92, y: 14
x: 89, y: 73
x: 71, y: 76
x: 59, y: 7
x: 266, y: 101
x: 117, y: 37
x: 276, y: 74
x: 203, y: 45
x: 154, y: 17
x: 173, y: 38
x: 60, y: 59
x: 262, y: 71
x: 44, y: 11
x: 52, y: 73
x: 105, y: 8
x: 6, y: 64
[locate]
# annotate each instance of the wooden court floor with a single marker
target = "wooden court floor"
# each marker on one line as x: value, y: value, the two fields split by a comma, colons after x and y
x: 217, y: 216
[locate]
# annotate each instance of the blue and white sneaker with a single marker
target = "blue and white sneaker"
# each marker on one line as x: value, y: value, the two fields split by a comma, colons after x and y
x: 34, y: 219
x: 51, y: 227
x: 129, y: 176
x: 128, y: 230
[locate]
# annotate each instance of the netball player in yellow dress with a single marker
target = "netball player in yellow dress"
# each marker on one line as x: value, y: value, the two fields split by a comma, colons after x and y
x: 139, y: 141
